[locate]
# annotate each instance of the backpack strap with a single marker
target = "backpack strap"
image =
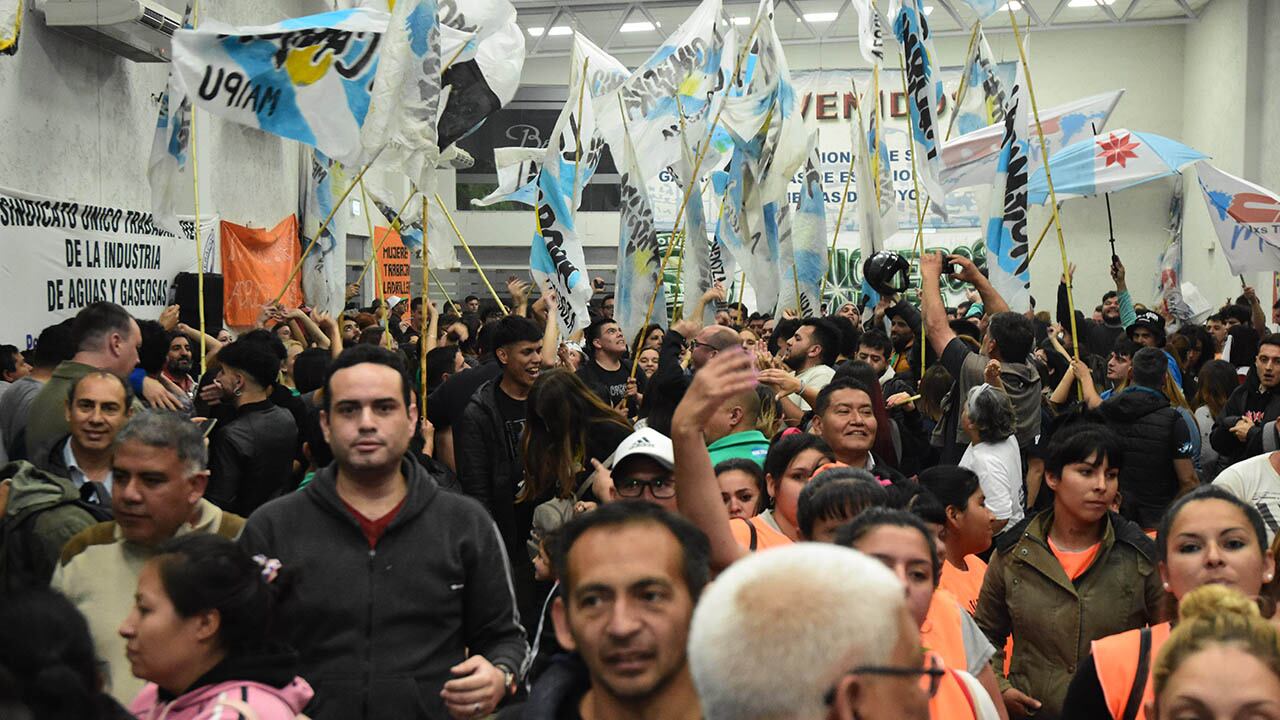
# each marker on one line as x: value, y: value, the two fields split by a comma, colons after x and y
x: 1139, y: 687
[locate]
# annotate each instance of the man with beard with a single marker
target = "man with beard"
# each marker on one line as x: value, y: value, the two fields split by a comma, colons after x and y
x: 177, y: 364
x: 1117, y: 314
x: 904, y: 333
x: 630, y: 574
x: 811, y: 352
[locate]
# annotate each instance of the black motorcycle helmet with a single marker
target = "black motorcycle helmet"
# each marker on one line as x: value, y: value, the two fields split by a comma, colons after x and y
x: 887, y: 272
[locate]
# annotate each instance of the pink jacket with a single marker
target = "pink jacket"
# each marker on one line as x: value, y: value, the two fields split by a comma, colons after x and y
x: 232, y: 700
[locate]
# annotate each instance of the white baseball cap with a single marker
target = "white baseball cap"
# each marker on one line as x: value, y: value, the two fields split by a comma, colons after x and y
x: 393, y: 301
x: 649, y: 443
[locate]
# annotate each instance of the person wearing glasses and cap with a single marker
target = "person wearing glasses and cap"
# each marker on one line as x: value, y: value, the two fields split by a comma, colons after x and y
x: 642, y: 468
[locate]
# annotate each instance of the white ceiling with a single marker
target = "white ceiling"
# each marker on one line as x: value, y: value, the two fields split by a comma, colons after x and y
x: 603, y: 20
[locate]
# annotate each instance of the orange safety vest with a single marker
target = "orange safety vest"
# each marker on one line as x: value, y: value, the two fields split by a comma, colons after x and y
x: 952, y: 701
x: 941, y: 632
x: 1118, y: 659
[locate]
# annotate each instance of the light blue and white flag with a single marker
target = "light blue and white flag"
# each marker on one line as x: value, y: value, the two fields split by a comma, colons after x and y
x: 984, y: 94
x: 970, y: 160
x: 639, y: 256
x: 871, y: 30
x: 572, y: 154
x: 169, y: 152
x: 1168, y: 285
x: 1109, y: 162
x: 517, y: 176
x: 877, y: 204
x: 688, y: 73
x: 1008, y: 260
x: 400, y: 127
x: 984, y: 8
x: 762, y: 114
x: 802, y: 246
x: 307, y: 79
x: 924, y: 91
x: 697, y: 276
x: 324, y: 272
x: 1246, y: 217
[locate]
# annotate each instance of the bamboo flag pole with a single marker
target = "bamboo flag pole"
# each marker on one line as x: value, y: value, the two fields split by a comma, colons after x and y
x: 373, y: 259
x: 844, y: 197
x: 426, y: 304
x: 323, y: 226
x: 1053, y: 195
x: 448, y: 216
x: 968, y: 54
x: 1047, y: 226
x: 919, y: 243
x: 195, y: 189
x: 702, y: 152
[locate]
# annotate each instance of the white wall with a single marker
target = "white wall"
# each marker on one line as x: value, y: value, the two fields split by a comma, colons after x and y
x: 77, y: 123
x: 1066, y: 65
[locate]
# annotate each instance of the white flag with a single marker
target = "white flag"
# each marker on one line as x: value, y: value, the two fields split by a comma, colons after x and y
x: 169, y: 149
x: 871, y: 25
x: 924, y: 90
x: 1008, y: 262
x: 1246, y: 217
x: 639, y: 256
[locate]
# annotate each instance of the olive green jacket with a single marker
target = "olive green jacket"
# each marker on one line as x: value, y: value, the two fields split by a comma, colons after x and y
x: 1027, y: 594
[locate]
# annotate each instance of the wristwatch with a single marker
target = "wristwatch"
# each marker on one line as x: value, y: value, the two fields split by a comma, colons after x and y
x: 508, y: 679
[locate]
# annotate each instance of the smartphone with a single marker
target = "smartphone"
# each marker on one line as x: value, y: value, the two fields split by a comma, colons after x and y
x: 207, y: 426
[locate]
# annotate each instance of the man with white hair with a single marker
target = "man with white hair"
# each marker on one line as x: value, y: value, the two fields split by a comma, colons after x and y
x: 806, y: 632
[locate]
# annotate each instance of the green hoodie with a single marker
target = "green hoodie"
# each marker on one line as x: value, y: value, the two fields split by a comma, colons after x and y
x: 42, y: 512
x: 752, y: 445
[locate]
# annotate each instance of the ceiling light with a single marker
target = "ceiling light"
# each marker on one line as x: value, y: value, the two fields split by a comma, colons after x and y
x: 641, y: 26
x: 742, y: 20
x: 556, y: 31
x: 928, y: 9
x: 1013, y: 5
x: 820, y: 16
x: 1089, y: 3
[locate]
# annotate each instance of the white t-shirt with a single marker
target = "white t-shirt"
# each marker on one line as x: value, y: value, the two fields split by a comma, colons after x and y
x: 1256, y: 482
x: 999, y: 469
x: 818, y: 376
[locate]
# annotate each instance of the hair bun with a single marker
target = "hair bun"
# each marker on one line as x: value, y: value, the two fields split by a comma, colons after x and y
x: 1209, y: 601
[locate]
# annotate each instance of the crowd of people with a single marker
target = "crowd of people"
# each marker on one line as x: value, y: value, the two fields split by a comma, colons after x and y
x: 899, y: 510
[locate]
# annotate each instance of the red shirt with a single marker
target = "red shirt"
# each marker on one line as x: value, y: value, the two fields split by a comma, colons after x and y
x: 373, y: 529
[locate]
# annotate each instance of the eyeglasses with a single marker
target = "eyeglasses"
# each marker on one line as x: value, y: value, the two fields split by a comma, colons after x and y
x: 694, y: 344
x: 934, y: 673
x: 661, y: 488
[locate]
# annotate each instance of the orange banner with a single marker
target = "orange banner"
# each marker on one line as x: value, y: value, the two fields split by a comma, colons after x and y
x: 393, y: 264
x: 255, y: 264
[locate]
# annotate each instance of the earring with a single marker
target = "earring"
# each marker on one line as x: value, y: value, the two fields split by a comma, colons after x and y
x: 1267, y: 577
x: 1166, y: 587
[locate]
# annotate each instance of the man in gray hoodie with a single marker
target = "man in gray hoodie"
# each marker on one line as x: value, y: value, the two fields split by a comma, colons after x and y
x: 401, y: 605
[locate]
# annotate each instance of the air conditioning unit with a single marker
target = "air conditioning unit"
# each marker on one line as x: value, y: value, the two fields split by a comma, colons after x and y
x: 140, y: 30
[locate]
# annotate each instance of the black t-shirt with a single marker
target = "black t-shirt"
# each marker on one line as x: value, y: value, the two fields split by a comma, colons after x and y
x: 512, y: 412
x: 609, y: 385
x: 446, y: 404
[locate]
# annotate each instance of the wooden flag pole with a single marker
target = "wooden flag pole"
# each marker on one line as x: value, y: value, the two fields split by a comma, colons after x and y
x: 458, y: 233
x: 426, y: 306
x: 195, y: 188
x: 973, y: 39
x: 373, y: 259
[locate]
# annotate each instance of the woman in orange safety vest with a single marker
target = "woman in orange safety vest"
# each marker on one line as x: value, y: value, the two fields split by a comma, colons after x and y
x: 901, y: 541
x: 1209, y: 536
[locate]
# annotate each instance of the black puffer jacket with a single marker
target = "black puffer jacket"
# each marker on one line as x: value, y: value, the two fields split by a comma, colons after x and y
x: 1145, y: 423
x: 1249, y: 397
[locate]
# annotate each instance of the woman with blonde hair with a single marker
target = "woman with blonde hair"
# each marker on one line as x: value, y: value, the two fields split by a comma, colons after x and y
x: 1222, y: 661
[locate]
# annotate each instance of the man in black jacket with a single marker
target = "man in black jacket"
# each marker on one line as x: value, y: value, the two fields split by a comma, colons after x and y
x: 671, y: 379
x: 401, y: 605
x: 487, y: 447
x: 1247, y: 425
x: 630, y: 574
x: 1158, y: 463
